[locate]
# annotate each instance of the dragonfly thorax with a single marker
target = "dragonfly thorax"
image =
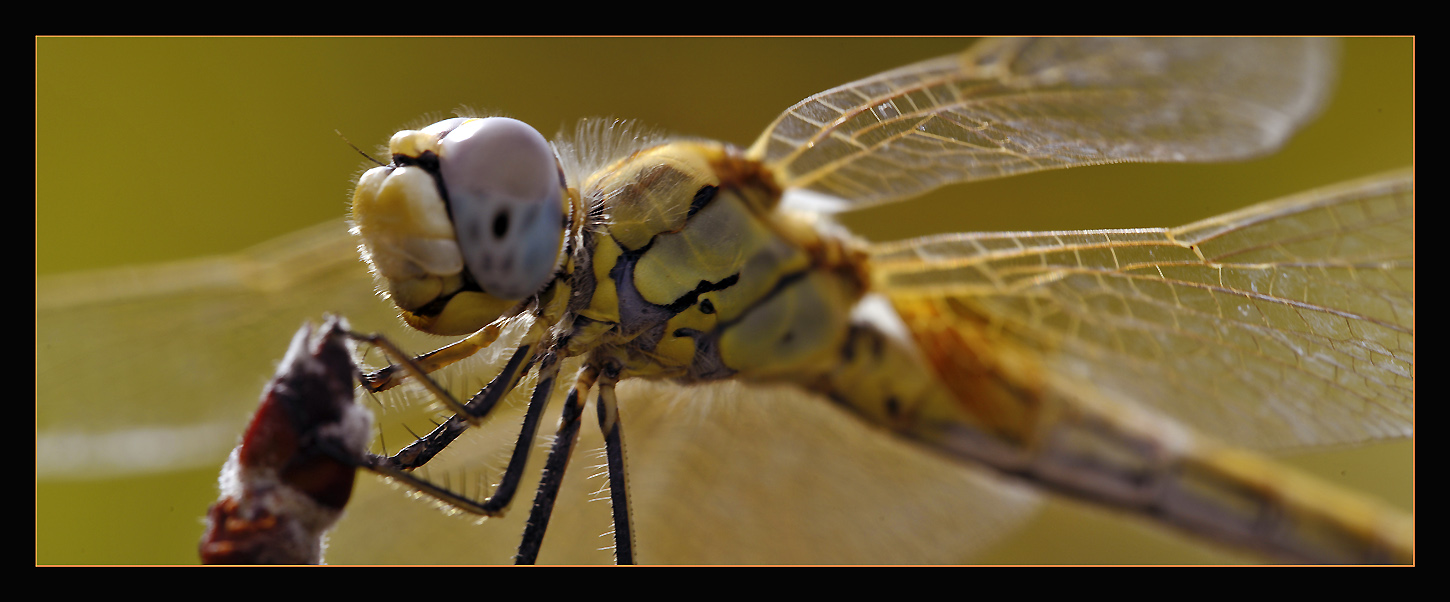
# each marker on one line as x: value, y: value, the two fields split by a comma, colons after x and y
x: 698, y: 274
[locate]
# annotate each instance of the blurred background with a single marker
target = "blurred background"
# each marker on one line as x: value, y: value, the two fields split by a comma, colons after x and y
x: 153, y: 150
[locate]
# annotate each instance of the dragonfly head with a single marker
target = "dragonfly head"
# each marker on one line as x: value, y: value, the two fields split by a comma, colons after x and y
x: 467, y: 221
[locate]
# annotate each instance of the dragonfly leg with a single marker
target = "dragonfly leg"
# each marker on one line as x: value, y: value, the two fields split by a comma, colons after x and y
x: 398, y: 467
x: 609, y: 424
x: 503, y: 495
x: 412, y: 366
x: 391, y: 376
x: 427, y: 446
x: 555, y: 466
x: 421, y: 451
x: 382, y: 466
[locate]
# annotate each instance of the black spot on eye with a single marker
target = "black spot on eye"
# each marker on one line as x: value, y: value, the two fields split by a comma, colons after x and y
x: 788, y: 337
x: 893, y: 407
x: 500, y: 224
x: 706, y: 307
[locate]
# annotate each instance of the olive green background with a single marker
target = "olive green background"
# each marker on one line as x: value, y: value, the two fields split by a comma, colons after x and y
x: 151, y: 150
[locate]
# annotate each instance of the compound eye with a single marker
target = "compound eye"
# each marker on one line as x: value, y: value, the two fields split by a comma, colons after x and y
x: 503, y: 187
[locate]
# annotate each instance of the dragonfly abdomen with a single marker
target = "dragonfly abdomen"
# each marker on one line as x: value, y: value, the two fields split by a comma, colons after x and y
x: 999, y: 407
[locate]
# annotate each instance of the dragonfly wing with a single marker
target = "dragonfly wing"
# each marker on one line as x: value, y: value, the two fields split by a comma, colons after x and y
x: 772, y: 475
x: 1286, y: 323
x: 180, y: 353
x: 1012, y: 106
x: 718, y: 473
x: 157, y: 368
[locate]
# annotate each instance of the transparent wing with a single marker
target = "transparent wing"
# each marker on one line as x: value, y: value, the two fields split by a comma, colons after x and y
x: 725, y: 473
x: 156, y: 368
x: 1011, y: 106
x: 176, y: 356
x: 1286, y: 323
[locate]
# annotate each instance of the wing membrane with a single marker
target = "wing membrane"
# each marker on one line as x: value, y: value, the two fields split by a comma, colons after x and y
x: 175, y: 355
x: 1286, y: 323
x: 1015, y: 106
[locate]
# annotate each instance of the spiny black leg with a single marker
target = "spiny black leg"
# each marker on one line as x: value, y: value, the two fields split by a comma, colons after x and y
x: 425, y: 448
x: 462, y: 501
x: 609, y: 424
x: 511, y: 475
x: 549, y: 485
x: 421, y: 451
x: 509, y: 484
x: 554, y: 469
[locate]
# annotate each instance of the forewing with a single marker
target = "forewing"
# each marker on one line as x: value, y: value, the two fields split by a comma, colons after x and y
x: 1011, y: 106
x: 156, y: 368
x: 1287, y: 323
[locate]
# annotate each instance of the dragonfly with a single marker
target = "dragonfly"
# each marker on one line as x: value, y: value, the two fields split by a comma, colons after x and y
x: 996, y: 488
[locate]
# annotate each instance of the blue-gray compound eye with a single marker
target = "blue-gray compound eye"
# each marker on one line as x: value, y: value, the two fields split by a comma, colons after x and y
x: 503, y: 188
